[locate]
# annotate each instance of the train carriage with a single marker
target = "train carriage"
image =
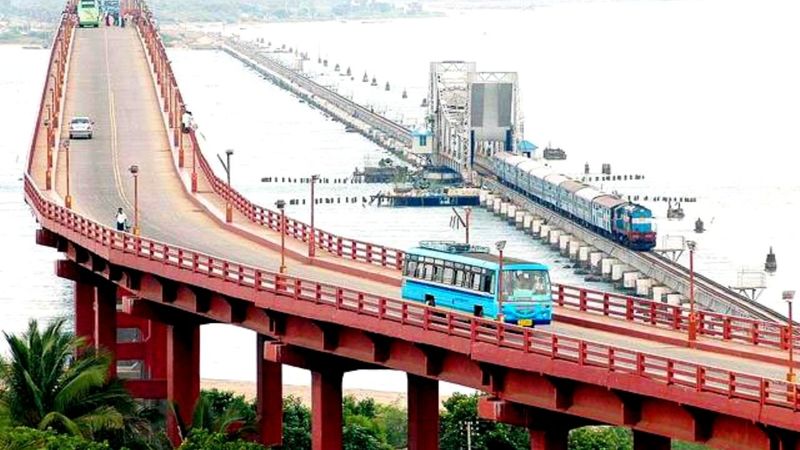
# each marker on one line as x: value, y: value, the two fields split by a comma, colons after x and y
x: 552, y: 191
x: 523, y: 174
x: 583, y: 204
x: 566, y: 197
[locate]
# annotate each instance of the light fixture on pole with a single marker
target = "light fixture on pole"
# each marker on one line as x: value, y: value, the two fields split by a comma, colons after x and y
x: 134, y: 169
x: 500, y: 245
x: 68, y: 197
x: 312, y: 236
x: 692, y: 315
x: 791, y: 377
x: 227, y: 166
x: 281, y: 205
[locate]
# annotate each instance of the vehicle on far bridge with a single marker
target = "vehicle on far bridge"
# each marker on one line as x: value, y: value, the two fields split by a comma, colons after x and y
x: 88, y: 13
x: 464, y: 277
x: 628, y: 223
x: 81, y: 127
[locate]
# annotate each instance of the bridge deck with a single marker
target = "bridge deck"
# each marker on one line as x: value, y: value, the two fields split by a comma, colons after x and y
x: 110, y: 82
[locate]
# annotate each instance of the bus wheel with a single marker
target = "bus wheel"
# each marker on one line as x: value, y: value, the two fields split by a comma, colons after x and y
x: 477, y: 310
x: 429, y: 300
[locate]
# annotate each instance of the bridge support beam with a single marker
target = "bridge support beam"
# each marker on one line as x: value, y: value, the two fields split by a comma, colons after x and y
x: 183, y: 375
x: 423, y: 413
x: 269, y: 397
x: 326, y: 409
x: 552, y: 439
x: 84, y: 311
x: 648, y: 441
x: 105, y: 321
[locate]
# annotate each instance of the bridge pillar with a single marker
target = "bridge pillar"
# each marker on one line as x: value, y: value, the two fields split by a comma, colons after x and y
x: 105, y: 321
x: 423, y: 413
x: 647, y: 441
x: 269, y: 397
x: 326, y: 410
x: 549, y: 439
x: 84, y: 311
x: 183, y: 375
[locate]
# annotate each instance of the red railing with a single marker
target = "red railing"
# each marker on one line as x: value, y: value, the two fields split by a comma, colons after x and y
x: 673, y: 317
x: 730, y: 384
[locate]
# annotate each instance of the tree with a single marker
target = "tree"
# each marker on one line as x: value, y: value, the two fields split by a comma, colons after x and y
x: 461, y: 409
x: 46, y: 386
x: 296, y: 425
x: 200, y: 439
x: 222, y: 413
x: 22, y: 438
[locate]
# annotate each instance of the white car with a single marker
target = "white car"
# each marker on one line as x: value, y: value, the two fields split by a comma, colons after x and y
x: 80, y: 127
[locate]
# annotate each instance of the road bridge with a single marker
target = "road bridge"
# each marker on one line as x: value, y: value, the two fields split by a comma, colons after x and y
x: 608, y: 359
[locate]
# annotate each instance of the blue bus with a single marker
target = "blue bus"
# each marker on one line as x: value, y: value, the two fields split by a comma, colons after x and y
x: 447, y: 274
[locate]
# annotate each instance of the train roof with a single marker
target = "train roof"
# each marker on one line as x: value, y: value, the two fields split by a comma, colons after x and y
x: 516, y: 160
x: 541, y: 172
x: 485, y: 260
x: 528, y: 165
x: 589, y: 193
x: 608, y: 200
x: 556, y: 178
x: 572, y: 186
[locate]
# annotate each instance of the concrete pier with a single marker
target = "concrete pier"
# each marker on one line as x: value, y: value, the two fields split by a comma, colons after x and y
x: 519, y: 219
x: 563, y: 243
x: 659, y: 292
x: 511, y: 213
x: 544, y: 232
x: 595, y: 260
x: 503, y: 209
x: 497, y: 205
x: 643, y: 286
x: 536, y: 226
x: 674, y: 299
x: 554, y: 236
x: 629, y: 279
x: 606, y: 265
x: 618, y: 271
x: 583, y: 255
x: 527, y: 220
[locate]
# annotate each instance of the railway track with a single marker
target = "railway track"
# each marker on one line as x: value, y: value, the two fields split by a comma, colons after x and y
x: 708, y: 293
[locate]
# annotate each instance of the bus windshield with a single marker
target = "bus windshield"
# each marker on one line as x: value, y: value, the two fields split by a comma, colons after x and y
x: 522, y: 285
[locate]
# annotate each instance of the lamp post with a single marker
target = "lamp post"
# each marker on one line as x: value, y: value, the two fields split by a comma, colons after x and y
x: 692, y: 314
x: 500, y: 245
x: 791, y: 377
x: 312, y: 245
x: 227, y: 166
x: 134, y: 169
x: 281, y: 205
x: 68, y: 197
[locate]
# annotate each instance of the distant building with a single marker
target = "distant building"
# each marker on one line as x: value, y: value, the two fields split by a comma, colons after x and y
x: 527, y: 148
x: 421, y: 143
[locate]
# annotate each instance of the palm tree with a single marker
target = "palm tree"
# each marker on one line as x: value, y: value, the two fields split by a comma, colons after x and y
x: 220, y: 412
x: 47, y: 386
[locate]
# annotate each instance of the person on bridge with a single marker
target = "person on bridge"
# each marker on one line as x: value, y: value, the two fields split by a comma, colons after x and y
x: 122, y: 220
x: 186, y: 121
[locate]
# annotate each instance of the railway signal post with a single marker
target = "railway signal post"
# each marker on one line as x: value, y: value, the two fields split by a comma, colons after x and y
x: 791, y: 377
x: 692, y: 314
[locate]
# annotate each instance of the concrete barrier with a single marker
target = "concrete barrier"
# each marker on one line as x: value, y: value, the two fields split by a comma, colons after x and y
x: 659, y: 292
x: 643, y: 286
x: 629, y: 279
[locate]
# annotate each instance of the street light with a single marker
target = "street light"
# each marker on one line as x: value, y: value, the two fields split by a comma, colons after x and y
x: 312, y: 236
x: 692, y: 315
x: 791, y: 377
x: 134, y: 169
x: 500, y: 245
x: 281, y: 205
x: 227, y: 167
x: 68, y: 197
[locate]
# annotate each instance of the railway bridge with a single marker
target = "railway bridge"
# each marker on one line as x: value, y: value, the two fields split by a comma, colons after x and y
x: 203, y: 253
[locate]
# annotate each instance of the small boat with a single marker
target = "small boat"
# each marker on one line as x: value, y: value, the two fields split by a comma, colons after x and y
x: 365, y: 79
x: 405, y: 94
x: 387, y: 86
x: 374, y: 82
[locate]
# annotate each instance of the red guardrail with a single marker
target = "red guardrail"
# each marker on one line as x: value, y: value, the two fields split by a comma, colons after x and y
x: 673, y: 317
x: 730, y: 384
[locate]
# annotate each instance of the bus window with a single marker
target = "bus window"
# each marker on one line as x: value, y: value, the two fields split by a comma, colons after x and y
x: 437, y: 273
x: 428, y: 272
x: 411, y: 268
x: 459, y: 278
x: 476, y: 281
x: 447, y: 278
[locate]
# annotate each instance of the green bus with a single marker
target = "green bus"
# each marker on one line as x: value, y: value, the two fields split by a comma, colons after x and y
x: 88, y: 13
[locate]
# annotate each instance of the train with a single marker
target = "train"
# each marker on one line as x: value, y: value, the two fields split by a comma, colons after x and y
x: 627, y: 223
x: 464, y: 277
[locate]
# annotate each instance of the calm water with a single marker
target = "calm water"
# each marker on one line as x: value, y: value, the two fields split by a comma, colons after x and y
x: 701, y: 96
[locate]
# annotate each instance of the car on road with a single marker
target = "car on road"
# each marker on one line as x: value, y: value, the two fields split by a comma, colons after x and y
x: 81, y: 127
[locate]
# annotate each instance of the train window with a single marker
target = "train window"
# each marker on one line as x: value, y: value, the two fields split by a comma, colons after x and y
x: 447, y: 278
x: 428, y: 272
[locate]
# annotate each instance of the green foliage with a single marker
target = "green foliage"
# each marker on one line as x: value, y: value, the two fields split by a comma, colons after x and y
x: 296, y: 425
x: 680, y: 445
x: 46, y: 387
x: 22, y: 438
x: 224, y: 413
x: 600, y: 438
x: 200, y: 439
